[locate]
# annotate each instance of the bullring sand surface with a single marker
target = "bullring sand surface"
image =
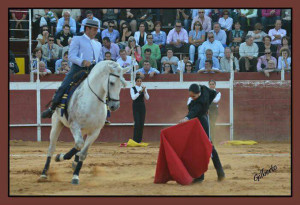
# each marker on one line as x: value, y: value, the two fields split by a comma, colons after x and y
x: 113, y: 170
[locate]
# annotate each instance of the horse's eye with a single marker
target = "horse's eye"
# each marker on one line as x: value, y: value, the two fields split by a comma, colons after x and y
x: 112, y: 84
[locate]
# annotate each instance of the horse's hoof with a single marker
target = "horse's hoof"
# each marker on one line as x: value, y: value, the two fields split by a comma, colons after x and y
x: 75, y: 180
x: 59, y: 157
x: 74, y: 164
x: 43, y: 178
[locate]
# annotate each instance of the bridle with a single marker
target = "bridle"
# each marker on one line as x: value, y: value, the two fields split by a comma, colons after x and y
x: 108, y: 96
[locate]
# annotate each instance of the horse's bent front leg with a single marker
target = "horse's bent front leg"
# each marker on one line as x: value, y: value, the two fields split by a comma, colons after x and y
x: 54, y: 134
x: 83, y: 153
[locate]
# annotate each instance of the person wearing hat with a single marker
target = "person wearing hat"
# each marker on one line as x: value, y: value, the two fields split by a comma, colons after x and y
x: 84, y: 53
x: 198, y: 104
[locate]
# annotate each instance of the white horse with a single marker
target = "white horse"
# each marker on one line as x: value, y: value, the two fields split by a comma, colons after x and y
x: 87, y: 113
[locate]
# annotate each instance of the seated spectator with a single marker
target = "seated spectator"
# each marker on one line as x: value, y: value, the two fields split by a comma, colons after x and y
x: 64, y: 37
x: 155, y: 51
x: 144, y: 15
x: 36, y: 19
x: 147, y: 69
x: 248, y: 16
x: 264, y: 60
x: 184, y: 15
x: 286, y: 16
x: 181, y: 63
x: 215, y: 15
x: 65, y: 58
x: 18, y: 15
x: 258, y: 34
x: 167, y: 69
x: 133, y: 49
x: 111, y: 47
x: 147, y: 56
x: 229, y: 62
x: 267, y: 45
x: 177, y: 39
x: 76, y: 15
x: 37, y: 55
x: 236, y: 37
x: 111, y: 33
x: 285, y: 43
x: 219, y: 34
x: 51, y: 19
x: 108, y: 55
x: 277, y: 33
x: 209, y: 56
x: 109, y: 15
x: 203, y: 19
x: 269, y: 16
x: 66, y: 19
x: 141, y: 35
x: 13, y: 66
x: 42, y: 69
x: 159, y: 37
x: 64, y: 67
x: 248, y: 53
x: 42, y: 38
x: 128, y: 16
x: 215, y: 45
x: 124, y: 35
x: 196, y: 38
x: 188, y: 68
x: 226, y: 23
x: 270, y: 68
x: 208, y: 68
x: 284, y: 60
x: 173, y: 60
x: 89, y: 15
x: 50, y: 53
x: 125, y: 61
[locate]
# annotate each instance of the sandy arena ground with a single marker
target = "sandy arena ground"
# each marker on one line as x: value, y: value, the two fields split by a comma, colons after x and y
x: 112, y: 170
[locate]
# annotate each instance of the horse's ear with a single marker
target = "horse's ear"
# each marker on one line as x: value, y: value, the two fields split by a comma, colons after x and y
x: 125, y: 70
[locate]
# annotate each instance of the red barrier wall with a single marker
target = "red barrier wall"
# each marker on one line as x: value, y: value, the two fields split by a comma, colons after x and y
x: 262, y: 111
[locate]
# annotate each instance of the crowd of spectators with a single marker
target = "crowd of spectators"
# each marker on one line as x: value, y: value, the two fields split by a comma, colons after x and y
x: 167, y: 40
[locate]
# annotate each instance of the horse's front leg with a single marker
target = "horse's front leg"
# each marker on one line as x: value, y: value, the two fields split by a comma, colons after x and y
x: 54, y: 134
x: 83, y: 153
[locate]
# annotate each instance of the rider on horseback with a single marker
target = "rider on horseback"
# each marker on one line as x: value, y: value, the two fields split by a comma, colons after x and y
x: 84, y: 53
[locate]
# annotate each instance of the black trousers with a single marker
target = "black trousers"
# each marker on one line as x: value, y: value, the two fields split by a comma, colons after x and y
x: 139, y: 114
x: 253, y: 65
x: 215, y: 157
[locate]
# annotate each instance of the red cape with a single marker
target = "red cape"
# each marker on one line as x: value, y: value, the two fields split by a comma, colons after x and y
x: 184, y: 153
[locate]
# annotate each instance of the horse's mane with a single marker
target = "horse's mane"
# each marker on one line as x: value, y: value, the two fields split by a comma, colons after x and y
x: 106, y: 66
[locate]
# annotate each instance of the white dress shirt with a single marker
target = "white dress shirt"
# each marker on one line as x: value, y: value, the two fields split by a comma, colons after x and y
x: 272, y: 32
x: 134, y: 96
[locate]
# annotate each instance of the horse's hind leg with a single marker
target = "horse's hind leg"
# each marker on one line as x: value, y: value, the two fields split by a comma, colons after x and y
x: 54, y: 134
x: 79, y: 142
x: 83, y: 153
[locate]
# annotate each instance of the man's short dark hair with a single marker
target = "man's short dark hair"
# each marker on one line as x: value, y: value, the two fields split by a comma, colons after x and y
x: 106, y: 39
x: 147, y: 50
x: 149, y: 34
x: 209, y: 61
x: 88, y: 12
x: 66, y: 25
x: 178, y: 21
x: 122, y: 50
x: 169, y: 49
x: 107, y: 52
x: 146, y: 61
x: 111, y: 22
x: 195, y: 88
x: 50, y: 36
x: 212, y: 81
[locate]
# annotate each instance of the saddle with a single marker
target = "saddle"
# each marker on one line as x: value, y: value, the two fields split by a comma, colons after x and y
x: 78, y: 78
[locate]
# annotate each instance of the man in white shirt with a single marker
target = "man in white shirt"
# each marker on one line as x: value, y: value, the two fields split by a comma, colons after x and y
x: 213, y: 44
x: 248, y: 53
x: 277, y: 33
x: 125, y: 61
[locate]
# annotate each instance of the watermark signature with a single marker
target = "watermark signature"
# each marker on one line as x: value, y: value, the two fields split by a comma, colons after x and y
x: 264, y: 173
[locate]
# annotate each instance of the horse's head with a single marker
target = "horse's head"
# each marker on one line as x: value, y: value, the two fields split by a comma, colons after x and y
x: 115, y: 82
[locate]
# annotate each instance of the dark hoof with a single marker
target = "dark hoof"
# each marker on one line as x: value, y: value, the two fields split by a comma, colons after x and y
x: 221, y: 178
x: 57, y: 158
x: 75, y: 181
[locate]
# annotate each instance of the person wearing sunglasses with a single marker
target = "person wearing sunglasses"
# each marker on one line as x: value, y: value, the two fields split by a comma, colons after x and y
x: 42, y: 38
x: 213, y: 44
x: 258, y: 34
x: 203, y: 19
x: 263, y: 61
x: 196, y: 38
x: 51, y: 52
x: 177, y: 38
x: 111, y: 33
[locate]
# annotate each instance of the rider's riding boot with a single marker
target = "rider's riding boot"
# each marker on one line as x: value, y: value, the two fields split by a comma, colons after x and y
x: 48, y: 113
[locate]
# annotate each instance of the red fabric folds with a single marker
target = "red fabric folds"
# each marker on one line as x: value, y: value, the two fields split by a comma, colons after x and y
x: 184, y: 153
